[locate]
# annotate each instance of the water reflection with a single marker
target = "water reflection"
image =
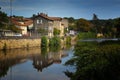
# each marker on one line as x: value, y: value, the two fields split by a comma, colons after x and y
x: 41, y: 58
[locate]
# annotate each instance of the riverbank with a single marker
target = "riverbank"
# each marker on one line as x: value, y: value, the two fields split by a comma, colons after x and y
x: 95, y: 61
x: 22, y: 43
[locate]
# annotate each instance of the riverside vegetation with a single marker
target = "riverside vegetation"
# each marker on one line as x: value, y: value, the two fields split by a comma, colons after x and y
x: 54, y: 42
x: 95, y: 61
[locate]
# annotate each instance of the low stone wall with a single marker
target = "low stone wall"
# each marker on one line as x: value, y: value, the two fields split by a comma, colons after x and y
x: 19, y: 43
x: 27, y: 43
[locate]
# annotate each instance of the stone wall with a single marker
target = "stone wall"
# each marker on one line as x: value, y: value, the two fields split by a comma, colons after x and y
x: 19, y: 43
x: 27, y: 43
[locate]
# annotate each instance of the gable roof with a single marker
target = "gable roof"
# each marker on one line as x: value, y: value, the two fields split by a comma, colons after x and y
x: 49, y: 18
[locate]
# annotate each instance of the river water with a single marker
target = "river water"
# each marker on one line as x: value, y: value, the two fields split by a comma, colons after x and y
x: 34, y: 64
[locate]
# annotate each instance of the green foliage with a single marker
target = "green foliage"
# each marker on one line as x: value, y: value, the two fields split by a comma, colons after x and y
x: 14, y: 28
x: 95, y: 17
x: 44, y: 42
x: 3, y: 20
x: 83, y: 25
x: 96, y: 61
x: 54, y: 42
x: 86, y: 35
x: 117, y: 25
x: 56, y: 32
x: 42, y: 31
x: 71, y: 24
x: 44, y: 50
x: 4, y: 23
x: 65, y: 30
x: 68, y: 40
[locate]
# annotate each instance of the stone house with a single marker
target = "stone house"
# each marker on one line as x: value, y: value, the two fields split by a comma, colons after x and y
x: 47, y: 24
x: 24, y: 24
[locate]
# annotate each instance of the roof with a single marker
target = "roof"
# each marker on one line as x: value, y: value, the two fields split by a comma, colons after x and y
x: 49, y: 18
x: 22, y: 21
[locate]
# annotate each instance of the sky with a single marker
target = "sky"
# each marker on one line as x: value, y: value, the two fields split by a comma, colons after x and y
x: 104, y: 9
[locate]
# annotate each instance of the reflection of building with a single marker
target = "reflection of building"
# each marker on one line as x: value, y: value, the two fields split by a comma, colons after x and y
x: 40, y: 62
x: 57, y: 56
x: 18, y: 56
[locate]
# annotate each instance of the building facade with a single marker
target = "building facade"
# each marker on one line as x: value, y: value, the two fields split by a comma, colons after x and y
x: 45, y: 25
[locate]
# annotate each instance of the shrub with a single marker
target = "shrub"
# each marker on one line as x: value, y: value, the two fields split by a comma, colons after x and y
x: 86, y: 35
x: 96, y: 61
x: 68, y: 40
x: 44, y: 42
x: 54, y: 42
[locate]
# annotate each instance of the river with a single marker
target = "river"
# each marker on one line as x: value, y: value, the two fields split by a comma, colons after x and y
x: 34, y: 64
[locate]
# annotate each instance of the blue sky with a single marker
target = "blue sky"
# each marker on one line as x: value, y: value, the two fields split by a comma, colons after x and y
x: 104, y: 9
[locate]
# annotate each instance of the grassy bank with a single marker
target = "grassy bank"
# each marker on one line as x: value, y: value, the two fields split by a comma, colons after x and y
x: 96, y: 61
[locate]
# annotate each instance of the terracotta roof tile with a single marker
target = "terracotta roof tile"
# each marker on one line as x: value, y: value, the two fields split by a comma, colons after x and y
x: 22, y: 21
x: 49, y: 18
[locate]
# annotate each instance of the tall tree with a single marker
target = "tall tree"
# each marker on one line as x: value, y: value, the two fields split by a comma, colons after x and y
x: 83, y: 25
x: 96, y: 23
x: 95, y: 17
x: 117, y: 25
x: 3, y: 20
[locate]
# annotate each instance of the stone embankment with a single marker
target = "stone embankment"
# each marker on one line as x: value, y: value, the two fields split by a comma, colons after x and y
x: 19, y: 43
x: 24, y: 43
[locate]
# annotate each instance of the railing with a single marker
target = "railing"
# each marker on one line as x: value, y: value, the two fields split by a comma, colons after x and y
x: 19, y: 37
x: 100, y: 40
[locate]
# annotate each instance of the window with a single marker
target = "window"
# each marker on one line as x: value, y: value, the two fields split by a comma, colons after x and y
x: 41, y: 21
x: 37, y: 21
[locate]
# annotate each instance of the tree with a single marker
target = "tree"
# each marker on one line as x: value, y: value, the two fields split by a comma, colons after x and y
x: 3, y: 20
x: 42, y: 31
x: 96, y: 23
x: 14, y: 28
x: 117, y: 25
x: 44, y: 42
x: 95, y: 17
x: 71, y: 24
x: 83, y: 25
x: 95, y: 61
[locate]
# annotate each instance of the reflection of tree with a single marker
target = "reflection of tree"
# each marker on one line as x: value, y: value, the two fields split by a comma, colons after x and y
x: 4, y: 67
x: 10, y: 58
x: 54, y: 49
x: 7, y: 63
x: 41, y: 58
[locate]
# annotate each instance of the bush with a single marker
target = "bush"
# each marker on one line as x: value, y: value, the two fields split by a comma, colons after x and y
x: 54, y: 42
x: 44, y: 42
x: 68, y: 40
x: 96, y: 61
x: 56, y: 32
x: 86, y: 35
